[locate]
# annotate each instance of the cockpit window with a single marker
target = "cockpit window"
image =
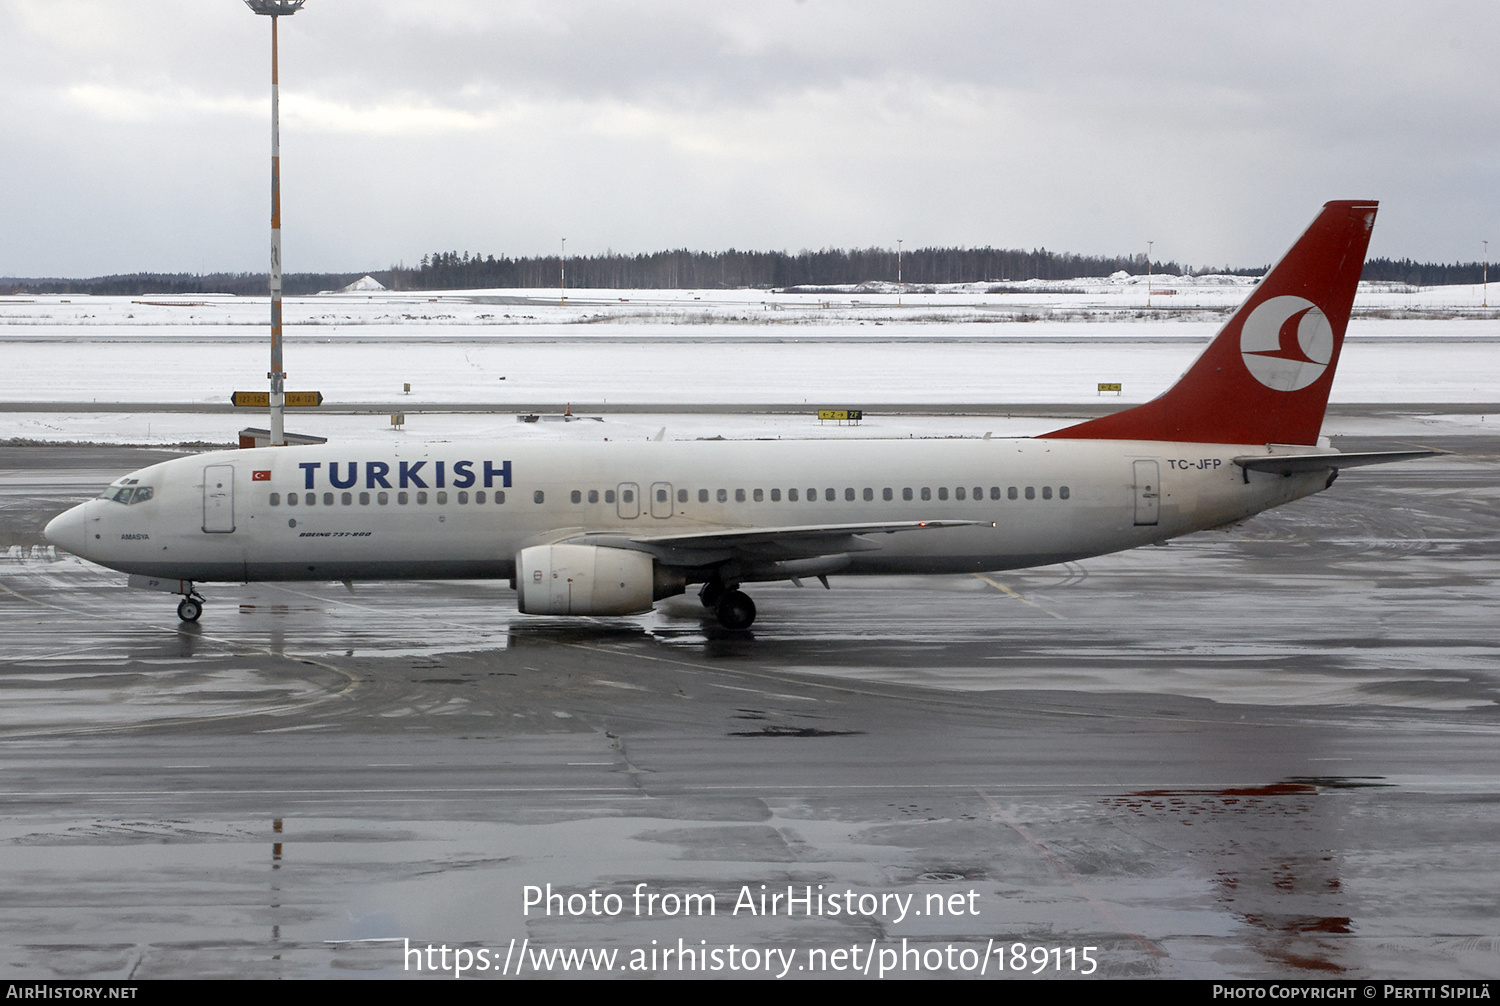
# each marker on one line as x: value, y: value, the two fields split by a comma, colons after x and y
x: 127, y: 494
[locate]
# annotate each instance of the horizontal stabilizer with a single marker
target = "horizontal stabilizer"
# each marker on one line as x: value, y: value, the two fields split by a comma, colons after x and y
x: 1296, y: 464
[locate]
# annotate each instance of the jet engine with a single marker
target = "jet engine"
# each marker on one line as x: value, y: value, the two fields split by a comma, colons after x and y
x: 590, y: 580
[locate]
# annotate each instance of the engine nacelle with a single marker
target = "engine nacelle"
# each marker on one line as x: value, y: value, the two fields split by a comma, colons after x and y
x: 584, y: 580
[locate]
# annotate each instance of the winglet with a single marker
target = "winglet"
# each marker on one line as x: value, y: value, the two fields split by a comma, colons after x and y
x: 1265, y: 377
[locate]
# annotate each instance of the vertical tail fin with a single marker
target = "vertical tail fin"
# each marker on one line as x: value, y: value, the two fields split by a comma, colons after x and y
x: 1265, y: 377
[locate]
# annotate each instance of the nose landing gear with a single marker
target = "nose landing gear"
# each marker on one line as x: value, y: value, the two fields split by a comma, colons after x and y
x: 190, y: 608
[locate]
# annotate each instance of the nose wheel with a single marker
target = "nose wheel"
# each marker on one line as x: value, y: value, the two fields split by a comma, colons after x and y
x: 190, y: 608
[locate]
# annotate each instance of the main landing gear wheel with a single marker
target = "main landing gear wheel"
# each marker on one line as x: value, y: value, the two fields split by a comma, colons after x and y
x: 736, y: 610
x: 189, y: 608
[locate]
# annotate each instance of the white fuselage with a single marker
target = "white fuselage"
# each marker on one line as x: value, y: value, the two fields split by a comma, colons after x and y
x: 451, y: 511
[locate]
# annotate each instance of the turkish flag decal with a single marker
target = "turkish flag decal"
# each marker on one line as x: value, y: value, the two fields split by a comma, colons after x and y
x: 260, y: 476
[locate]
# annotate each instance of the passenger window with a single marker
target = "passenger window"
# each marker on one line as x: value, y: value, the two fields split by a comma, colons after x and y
x: 291, y: 498
x: 421, y: 499
x: 759, y: 495
x: 926, y: 493
x: 979, y: 492
x: 593, y: 496
x: 958, y: 493
x: 869, y: 494
x: 739, y: 495
x: 310, y: 499
x: 499, y: 496
x: 722, y: 495
x: 849, y: 494
x: 702, y: 495
x: 276, y: 499
x: 347, y: 499
x: 994, y: 492
x: 1011, y: 492
x: 1062, y: 492
x: 829, y: 495
x: 626, y: 495
x: 463, y: 498
x: 364, y: 499
x: 576, y: 496
x: 479, y: 497
x: 661, y: 496
x: 681, y: 496
x: 887, y: 495
x: 401, y: 498
x: 775, y: 495
x: 1031, y: 492
x: 442, y: 498
x: 942, y: 492
x: 539, y: 496
x: 812, y: 496
x: 609, y: 496
x: 906, y: 493
x: 791, y: 495
x: 1046, y: 492
x: 382, y: 498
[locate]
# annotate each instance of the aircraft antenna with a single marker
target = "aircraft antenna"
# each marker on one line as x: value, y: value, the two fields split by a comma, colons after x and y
x: 275, y: 9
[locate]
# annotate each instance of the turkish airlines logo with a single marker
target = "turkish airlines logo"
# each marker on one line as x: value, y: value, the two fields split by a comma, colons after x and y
x: 1286, y: 343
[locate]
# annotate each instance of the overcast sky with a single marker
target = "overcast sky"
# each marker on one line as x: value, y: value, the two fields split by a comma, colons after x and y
x: 135, y: 135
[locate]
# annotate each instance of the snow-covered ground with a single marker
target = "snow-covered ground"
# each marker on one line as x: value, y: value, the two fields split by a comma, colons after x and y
x: 1081, y: 300
x: 516, y: 349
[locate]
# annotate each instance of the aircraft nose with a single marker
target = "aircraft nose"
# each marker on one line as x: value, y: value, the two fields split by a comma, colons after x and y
x: 68, y: 530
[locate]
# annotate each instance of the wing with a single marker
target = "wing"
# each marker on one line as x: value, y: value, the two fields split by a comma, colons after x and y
x: 761, y: 544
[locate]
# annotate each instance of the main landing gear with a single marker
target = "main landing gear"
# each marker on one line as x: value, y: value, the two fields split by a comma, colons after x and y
x: 731, y: 606
x: 190, y: 608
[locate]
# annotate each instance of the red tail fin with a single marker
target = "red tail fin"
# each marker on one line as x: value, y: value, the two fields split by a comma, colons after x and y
x: 1265, y: 377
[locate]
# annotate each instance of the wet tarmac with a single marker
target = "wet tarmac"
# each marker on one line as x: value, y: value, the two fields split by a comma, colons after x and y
x: 1267, y: 752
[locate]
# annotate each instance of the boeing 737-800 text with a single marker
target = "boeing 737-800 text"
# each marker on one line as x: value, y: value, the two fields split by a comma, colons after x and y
x: 609, y: 528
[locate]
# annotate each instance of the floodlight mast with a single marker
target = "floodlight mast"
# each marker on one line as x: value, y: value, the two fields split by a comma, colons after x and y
x: 1148, y: 272
x: 274, y: 9
x: 898, y: 272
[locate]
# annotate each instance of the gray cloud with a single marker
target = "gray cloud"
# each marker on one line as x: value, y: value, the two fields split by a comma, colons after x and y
x: 135, y: 135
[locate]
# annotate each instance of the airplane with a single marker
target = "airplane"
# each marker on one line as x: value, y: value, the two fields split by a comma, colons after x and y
x: 609, y: 528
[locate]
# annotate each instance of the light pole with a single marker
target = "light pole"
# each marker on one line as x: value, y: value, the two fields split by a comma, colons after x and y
x: 562, y: 281
x: 1148, y: 272
x: 898, y: 272
x: 275, y: 9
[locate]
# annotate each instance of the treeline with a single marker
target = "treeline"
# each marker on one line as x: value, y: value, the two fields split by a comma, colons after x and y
x: 241, y: 284
x: 682, y: 269
x: 1412, y: 273
x: 689, y: 270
